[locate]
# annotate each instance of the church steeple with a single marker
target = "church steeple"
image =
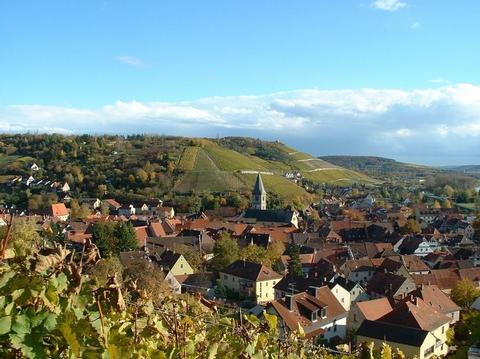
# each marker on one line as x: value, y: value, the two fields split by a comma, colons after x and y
x: 259, y: 195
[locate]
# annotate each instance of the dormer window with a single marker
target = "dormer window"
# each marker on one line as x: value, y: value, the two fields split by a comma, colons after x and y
x: 314, y: 316
x: 323, y: 312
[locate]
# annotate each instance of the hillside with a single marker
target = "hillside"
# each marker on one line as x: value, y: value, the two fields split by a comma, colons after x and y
x: 380, y: 167
x: 472, y: 170
x: 156, y: 166
x: 232, y: 163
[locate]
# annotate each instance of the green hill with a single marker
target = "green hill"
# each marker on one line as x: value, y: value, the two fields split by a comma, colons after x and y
x: 230, y: 164
x: 141, y: 166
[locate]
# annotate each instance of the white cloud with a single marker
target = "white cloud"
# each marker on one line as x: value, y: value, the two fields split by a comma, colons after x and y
x: 415, y: 26
x: 389, y: 5
x: 442, y: 122
x: 130, y: 60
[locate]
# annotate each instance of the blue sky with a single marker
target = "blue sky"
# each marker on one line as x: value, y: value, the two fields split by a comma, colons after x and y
x: 258, y: 68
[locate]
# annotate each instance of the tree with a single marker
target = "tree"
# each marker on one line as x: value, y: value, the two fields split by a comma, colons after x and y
x: 112, y: 238
x: 436, y: 205
x: 255, y: 254
x: 464, y: 293
x: 125, y: 236
x: 447, y: 204
x: 294, y: 265
x: 448, y: 191
x: 24, y: 238
x: 274, y: 251
x: 225, y: 252
x: 412, y: 226
x: 148, y: 277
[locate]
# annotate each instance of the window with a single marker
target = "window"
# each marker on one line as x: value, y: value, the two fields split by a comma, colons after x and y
x: 343, y: 300
x: 443, y: 330
x: 428, y: 352
x: 181, y: 265
x: 274, y: 282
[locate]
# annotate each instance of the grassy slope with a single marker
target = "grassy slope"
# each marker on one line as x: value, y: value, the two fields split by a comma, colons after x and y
x: 219, y: 169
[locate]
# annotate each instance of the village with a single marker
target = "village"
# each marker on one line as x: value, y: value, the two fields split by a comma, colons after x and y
x: 386, y: 276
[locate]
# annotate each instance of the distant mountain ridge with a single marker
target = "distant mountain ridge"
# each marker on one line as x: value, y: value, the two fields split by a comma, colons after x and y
x: 473, y: 170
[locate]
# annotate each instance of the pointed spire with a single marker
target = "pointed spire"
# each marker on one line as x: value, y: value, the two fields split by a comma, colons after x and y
x: 258, y: 189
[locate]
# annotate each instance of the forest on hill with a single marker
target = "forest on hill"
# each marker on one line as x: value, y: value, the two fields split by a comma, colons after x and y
x: 139, y: 167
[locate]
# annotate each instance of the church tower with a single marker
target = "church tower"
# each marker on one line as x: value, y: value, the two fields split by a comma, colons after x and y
x: 259, y: 195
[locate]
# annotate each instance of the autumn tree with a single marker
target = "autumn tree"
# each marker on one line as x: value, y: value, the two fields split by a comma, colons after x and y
x: 255, y: 254
x: 412, y: 226
x: 225, y: 252
x: 464, y: 293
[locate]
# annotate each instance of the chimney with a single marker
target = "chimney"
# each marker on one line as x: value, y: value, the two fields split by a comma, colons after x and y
x: 289, y: 301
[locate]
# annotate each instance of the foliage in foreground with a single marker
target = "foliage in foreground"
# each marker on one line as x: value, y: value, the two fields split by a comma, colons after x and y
x: 48, y: 308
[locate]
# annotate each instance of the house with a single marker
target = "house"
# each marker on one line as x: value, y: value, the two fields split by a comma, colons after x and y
x: 59, y: 211
x: 174, y: 265
x: 292, y: 284
x: 356, y: 291
x: 250, y: 280
x: 412, y: 326
x: 127, y: 210
x: 367, y: 310
x: 317, y: 311
x: 417, y: 245
x: 434, y: 297
x: 34, y: 167
x: 204, y: 283
x: 165, y: 212
x: 65, y: 188
x: 341, y: 293
x: 113, y: 205
x: 390, y: 285
x: 359, y: 270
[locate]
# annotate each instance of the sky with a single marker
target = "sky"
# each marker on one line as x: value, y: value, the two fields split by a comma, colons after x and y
x: 394, y: 78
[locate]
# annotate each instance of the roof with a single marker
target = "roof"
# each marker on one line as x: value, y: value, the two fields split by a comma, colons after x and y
x: 374, y: 309
x: 141, y: 235
x: 392, y: 333
x: 385, y: 283
x: 434, y: 297
x: 251, y: 271
x: 259, y: 189
x: 269, y: 215
x: 169, y: 258
x: 59, y: 210
x: 415, y: 313
x: 156, y: 229
x: 345, y: 283
x: 298, y: 284
x: 113, y: 203
x: 306, y: 303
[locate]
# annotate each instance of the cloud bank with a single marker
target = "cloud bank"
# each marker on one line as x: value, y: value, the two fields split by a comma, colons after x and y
x: 437, y: 125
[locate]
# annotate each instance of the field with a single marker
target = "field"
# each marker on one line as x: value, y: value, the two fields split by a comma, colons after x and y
x: 188, y: 158
x: 229, y: 160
